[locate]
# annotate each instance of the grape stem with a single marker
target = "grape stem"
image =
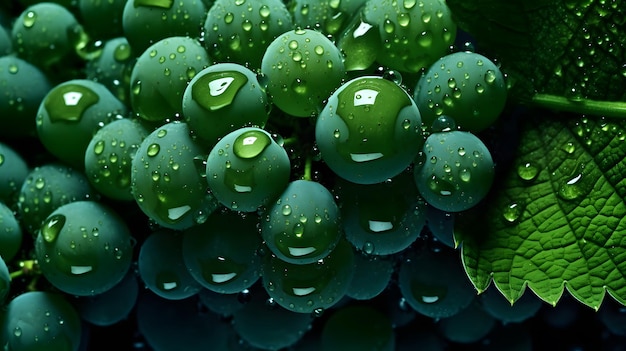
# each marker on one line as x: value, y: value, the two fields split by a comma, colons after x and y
x: 27, y: 267
x: 290, y: 141
x: 613, y: 109
x: 308, y: 165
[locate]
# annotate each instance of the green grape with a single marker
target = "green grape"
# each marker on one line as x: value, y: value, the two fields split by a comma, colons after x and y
x: 456, y: 172
x: 325, y: 15
x: 102, y: 19
x: 302, y: 68
x: 372, y: 275
x: 6, y: 46
x: 247, y: 169
x: 167, y: 180
x: 313, y: 287
x: 45, y: 189
x: 222, y: 98
x: 468, y: 326
x: 109, y: 156
x: 360, y: 44
x: 413, y: 34
x: 382, y: 230
x: 280, y: 328
x: 303, y: 225
x: 146, y: 22
x: 111, y: 306
x: 369, y: 130
x: 23, y: 88
x: 465, y: 86
x: 71, y: 113
x: 5, y: 283
x: 435, y: 285
x: 178, y: 324
x: 223, y: 304
x: 495, y: 304
x: 221, y: 254
x: 240, y: 31
x: 84, y: 248
x: 358, y: 328
x: 47, y: 34
x: 161, y: 74
x: 10, y: 233
x: 162, y: 268
x: 113, y: 68
x: 40, y: 321
x: 13, y: 172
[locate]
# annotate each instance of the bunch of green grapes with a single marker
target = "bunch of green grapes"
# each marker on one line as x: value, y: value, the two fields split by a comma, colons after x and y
x: 270, y: 161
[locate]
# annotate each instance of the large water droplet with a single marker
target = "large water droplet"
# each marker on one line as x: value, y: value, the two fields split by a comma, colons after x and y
x: 527, y: 171
x: 251, y: 144
x: 51, y: 228
x: 68, y: 102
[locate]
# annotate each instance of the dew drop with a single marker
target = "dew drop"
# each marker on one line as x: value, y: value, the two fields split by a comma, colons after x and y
x: 286, y: 210
x: 153, y: 150
x: 29, y: 19
x: 512, y: 213
x: 527, y: 171
x: 51, y: 228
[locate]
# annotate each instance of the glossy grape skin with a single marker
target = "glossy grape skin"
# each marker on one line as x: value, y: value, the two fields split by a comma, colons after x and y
x: 221, y: 254
x: 302, y: 68
x: 40, y: 321
x: 456, y: 172
x: 166, y: 179
x: 23, y: 86
x: 234, y: 99
x: 240, y: 31
x: 84, y: 248
x: 303, y: 225
x: 247, y: 169
x: 372, y: 275
x: 160, y: 76
x: 466, y: 86
x: 102, y: 19
x: 306, y: 288
x: 5, y: 282
x: 46, y: 188
x: 71, y: 113
x: 146, y: 22
x: 109, y: 155
x: 369, y: 130
x: 412, y: 36
x: 13, y: 172
x: 162, y: 268
x: 10, y: 233
x: 112, y: 68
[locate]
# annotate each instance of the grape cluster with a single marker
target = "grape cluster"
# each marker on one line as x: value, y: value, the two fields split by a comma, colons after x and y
x: 290, y: 167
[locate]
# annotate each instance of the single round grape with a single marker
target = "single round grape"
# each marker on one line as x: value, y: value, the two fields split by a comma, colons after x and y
x: 84, y: 248
x: 23, y: 88
x: 165, y: 323
x: 369, y: 130
x: 48, y: 187
x: 222, y: 98
x: 102, y: 19
x: 71, y: 113
x: 10, y: 233
x: 280, y: 329
x: 382, y: 230
x: 358, y: 328
x: 435, y: 285
x: 466, y: 86
x: 5, y: 281
x: 160, y: 76
x: 40, y: 321
x: 313, y: 287
x: 167, y: 178
x: 221, y: 254
x: 240, y: 31
x: 113, y: 67
x: 162, y: 268
x: 494, y: 303
x: 13, y: 172
x: 302, y: 68
x: 372, y: 275
x: 46, y: 34
x: 456, y: 172
x: 111, y: 306
x: 468, y: 326
x: 109, y: 156
x: 303, y: 225
x: 145, y: 22
x: 247, y: 169
x: 412, y: 35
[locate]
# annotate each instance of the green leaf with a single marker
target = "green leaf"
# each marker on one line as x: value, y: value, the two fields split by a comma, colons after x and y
x: 574, y: 49
x: 557, y: 219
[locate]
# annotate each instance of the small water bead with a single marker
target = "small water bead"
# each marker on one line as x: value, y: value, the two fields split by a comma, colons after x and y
x: 389, y: 26
x: 490, y: 76
x: 480, y: 88
x: 153, y: 150
x: 569, y: 148
x: 228, y: 18
x: 527, y: 171
x: 30, y: 19
x: 512, y: 212
x: 425, y: 39
x: 264, y: 11
x: 286, y: 211
x: 122, y: 53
